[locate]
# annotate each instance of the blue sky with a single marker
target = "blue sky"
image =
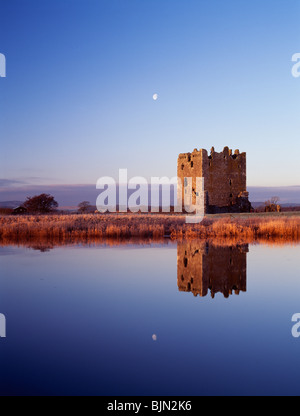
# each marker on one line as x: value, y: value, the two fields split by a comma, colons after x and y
x: 77, y: 100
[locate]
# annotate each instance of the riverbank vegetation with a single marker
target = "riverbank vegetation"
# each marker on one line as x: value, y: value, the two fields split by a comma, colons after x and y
x: 69, y: 228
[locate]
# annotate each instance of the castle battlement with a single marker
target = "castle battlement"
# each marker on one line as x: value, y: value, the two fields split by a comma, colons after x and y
x: 213, y: 154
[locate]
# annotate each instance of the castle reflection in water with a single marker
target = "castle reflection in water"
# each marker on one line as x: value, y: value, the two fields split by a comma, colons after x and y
x: 203, y: 267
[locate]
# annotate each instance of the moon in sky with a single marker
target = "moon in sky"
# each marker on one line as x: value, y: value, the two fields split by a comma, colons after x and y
x: 155, y: 97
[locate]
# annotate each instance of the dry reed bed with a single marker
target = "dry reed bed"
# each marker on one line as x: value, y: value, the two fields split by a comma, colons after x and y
x: 84, y: 228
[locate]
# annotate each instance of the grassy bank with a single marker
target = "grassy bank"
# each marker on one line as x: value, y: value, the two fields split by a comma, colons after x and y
x: 70, y: 228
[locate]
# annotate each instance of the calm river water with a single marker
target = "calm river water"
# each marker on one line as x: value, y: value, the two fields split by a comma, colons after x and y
x: 166, y: 319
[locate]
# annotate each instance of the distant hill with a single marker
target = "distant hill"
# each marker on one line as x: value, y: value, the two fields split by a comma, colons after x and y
x: 289, y: 195
x: 10, y: 204
x: 71, y: 195
x: 286, y: 205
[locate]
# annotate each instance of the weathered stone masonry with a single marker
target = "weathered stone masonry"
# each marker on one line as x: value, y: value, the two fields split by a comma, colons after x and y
x: 225, y: 187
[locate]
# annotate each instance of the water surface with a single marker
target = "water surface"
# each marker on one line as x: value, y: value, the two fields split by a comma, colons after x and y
x: 167, y: 319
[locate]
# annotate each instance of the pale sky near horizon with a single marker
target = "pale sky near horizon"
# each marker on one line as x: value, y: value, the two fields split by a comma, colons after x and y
x: 77, y: 102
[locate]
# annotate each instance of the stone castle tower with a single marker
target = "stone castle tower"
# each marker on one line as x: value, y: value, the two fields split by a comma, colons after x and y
x: 225, y: 187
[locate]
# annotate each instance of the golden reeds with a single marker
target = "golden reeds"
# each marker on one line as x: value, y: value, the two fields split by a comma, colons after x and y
x: 69, y: 228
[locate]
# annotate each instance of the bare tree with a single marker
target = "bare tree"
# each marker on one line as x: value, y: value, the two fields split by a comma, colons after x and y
x: 272, y: 205
x: 275, y: 200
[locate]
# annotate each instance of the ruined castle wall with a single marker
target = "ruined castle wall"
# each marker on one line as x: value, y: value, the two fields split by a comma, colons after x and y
x: 192, y: 165
x: 224, y: 176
